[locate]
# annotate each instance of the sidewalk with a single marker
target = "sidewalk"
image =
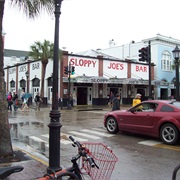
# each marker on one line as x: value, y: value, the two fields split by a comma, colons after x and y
x: 34, y: 167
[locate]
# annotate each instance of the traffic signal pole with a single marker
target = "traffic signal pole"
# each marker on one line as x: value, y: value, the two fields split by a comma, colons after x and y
x: 149, y: 61
x: 69, y: 87
x: 145, y: 56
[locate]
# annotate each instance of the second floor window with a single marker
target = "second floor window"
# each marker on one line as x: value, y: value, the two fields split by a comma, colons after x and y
x: 166, y: 62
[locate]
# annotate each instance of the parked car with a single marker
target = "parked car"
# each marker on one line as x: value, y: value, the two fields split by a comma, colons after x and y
x: 157, y: 118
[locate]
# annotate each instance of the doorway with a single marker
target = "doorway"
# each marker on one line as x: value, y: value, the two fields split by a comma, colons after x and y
x: 142, y: 92
x: 164, y: 93
x: 114, y: 91
x: 82, y: 96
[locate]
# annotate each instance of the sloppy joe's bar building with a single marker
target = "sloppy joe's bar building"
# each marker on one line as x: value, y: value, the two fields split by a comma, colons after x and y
x: 94, y: 79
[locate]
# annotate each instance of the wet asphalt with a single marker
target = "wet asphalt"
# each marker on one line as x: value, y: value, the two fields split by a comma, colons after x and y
x: 135, y: 161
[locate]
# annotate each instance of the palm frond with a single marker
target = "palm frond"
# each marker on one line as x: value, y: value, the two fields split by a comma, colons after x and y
x: 33, y: 8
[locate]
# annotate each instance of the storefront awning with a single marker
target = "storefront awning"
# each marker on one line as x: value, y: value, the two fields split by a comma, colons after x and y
x: 100, y: 79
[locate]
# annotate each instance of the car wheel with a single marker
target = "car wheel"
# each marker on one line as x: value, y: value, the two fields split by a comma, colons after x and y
x: 169, y: 134
x: 112, y: 125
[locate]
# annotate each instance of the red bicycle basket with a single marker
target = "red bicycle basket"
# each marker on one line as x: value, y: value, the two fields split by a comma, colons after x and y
x: 103, y: 157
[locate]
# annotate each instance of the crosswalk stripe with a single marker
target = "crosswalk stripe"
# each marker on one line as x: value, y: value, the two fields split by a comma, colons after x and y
x: 98, y: 133
x: 85, y: 135
x: 100, y: 129
x: 77, y: 138
x: 36, y: 139
x: 149, y: 142
x: 45, y: 135
x: 66, y: 141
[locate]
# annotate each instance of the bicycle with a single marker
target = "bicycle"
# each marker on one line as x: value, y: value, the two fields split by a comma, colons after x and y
x: 93, y: 159
x: 7, y: 171
x: 175, y: 172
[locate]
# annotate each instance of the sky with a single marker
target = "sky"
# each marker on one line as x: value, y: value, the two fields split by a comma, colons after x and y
x: 90, y: 24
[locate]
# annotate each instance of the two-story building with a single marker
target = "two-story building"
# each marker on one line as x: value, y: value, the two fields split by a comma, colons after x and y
x: 94, y: 79
x: 161, y: 56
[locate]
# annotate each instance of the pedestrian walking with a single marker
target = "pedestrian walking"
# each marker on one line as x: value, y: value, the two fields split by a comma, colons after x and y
x: 116, y: 103
x: 25, y: 106
x: 111, y: 97
x: 37, y: 100
x: 10, y: 102
x: 15, y: 100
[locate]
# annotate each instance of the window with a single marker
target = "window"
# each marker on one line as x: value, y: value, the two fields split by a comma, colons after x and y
x: 146, y: 107
x: 12, y: 84
x: 35, y: 82
x: 166, y: 109
x: 22, y: 83
x: 166, y: 61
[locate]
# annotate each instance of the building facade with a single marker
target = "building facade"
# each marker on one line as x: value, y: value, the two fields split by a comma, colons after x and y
x: 94, y: 78
x: 161, y: 56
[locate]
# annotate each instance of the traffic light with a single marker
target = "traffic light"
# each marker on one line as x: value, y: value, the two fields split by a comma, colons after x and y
x: 73, y: 70
x: 66, y: 70
x: 144, y: 54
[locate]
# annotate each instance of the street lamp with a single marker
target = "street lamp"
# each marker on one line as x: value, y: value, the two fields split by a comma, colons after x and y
x: 55, y: 125
x: 176, y: 54
x: 27, y: 77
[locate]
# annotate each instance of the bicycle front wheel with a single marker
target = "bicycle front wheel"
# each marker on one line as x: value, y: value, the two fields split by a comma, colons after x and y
x: 67, y: 176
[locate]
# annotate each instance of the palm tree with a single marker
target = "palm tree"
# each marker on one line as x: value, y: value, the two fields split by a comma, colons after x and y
x: 42, y: 51
x: 32, y: 9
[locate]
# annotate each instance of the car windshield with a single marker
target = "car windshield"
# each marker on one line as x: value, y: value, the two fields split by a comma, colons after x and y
x: 175, y: 103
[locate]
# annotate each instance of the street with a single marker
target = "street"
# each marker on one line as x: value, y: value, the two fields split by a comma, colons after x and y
x: 139, y: 157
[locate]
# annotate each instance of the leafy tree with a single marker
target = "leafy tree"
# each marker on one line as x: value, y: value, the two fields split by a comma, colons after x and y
x: 42, y: 51
x: 32, y: 9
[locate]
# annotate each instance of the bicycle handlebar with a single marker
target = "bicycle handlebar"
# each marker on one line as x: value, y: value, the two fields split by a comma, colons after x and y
x: 75, y: 142
x: 91, y: 161
x: 84, y: 152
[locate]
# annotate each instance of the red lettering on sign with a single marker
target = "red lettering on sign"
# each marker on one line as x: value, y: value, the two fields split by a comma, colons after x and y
x: 82, y: 62
x: 116, y: 66
x: 141, y: 69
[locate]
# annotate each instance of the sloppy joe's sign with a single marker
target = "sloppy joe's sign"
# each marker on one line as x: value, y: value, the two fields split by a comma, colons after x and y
x: 141, y: 71
x: 115, y: 68
x: 83, y: 62
x: 83, y: 65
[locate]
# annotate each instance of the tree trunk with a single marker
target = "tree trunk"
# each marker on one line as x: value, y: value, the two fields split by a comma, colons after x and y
x: 5, y: 138
x: 44, y: 64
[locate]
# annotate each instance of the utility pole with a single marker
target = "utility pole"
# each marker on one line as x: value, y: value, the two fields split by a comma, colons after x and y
x: 149, y: 61
x: 69, y: 87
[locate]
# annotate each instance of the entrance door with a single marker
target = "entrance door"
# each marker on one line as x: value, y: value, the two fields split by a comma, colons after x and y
x: 142, y: 92
x: 89, y: 96
x: 82, y: 96
x: 35, y: 91
x: 50, y: 94
x: 114, y: 91
x: 164, y: 93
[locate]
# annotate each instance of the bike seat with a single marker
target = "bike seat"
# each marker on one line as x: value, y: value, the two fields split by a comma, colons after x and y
x: 6, y: 171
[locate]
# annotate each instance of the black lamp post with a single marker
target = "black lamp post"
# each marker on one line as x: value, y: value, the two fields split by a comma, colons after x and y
x: 55, y: 125
x: 176, y: 54
x: 27, y: 78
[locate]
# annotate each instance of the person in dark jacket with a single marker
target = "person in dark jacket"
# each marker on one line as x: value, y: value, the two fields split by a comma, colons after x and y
x: 15, y: 99
x: 37, y: 100
x: 116, y: 103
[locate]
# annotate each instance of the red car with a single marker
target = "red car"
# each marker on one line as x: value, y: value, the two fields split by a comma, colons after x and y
x: 157, y: 118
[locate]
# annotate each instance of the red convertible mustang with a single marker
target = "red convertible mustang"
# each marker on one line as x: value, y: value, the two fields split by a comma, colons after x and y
x: 157, y: 118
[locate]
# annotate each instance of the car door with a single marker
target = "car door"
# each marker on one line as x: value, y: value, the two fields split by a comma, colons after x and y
x: 140, y: 120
